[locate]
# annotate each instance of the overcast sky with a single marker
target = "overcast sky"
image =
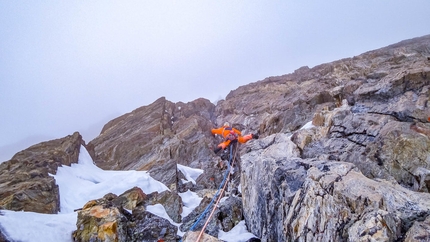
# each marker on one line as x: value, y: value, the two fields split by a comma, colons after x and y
x: 70, y: 66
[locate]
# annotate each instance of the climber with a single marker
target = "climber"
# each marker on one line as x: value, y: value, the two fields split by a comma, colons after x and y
x: 230, y: 135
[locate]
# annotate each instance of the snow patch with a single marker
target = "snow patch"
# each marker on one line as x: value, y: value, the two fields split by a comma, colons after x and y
x: 191, y: 174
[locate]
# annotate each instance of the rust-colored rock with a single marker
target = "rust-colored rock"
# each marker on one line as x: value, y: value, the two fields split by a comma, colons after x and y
x: 111, y: 219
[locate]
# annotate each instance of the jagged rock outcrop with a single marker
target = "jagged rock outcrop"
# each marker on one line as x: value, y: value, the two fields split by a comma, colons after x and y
x: 287, y: 198
x: 156, y: 138
x: 285, y: 103
x: 380, y: 145
x: 122, y: 218
x: 227, y: 215
x: 25, y: 183
x: 379, y: 134
x: 171, y: 201
x: 109, y: 218
x: 420, y: 231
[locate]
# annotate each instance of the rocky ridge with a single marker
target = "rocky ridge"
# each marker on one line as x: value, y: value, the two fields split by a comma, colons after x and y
x: 25, y: 183
x: 360, y: 172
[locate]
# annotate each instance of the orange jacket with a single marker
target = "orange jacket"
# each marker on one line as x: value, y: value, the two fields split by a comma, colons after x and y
x: 225, y: 131
x: 228, y: 133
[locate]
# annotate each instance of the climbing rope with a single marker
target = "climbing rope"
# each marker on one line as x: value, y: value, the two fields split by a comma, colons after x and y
x: 213, y: 199
x: 219, y: 192
x: 216, y: 194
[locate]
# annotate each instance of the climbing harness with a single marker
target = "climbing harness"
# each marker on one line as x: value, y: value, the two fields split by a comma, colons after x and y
x: 217, y: 196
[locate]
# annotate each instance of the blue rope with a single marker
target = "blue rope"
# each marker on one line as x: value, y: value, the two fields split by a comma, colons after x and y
x: 217, y: 193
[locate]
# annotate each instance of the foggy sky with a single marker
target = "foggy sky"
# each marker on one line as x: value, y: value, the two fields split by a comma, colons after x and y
x: 69, y: 66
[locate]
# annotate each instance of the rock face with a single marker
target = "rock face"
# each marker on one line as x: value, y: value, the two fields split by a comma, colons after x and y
x: 376, y: 134
x: 420, y: 231
x: 227, y: 215
x: 156, y: 138
x: 352, y: 175
x: 288, y: 198
x: 171, y: 201
x: 343, y: 155
x: 122, y: 218
x: 25, y: 183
